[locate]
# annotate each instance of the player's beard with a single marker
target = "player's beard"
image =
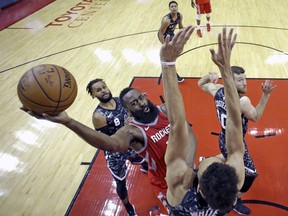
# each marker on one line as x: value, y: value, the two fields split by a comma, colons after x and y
x: 106, y: 99
x: 148, y: 117
x: 242, y: 91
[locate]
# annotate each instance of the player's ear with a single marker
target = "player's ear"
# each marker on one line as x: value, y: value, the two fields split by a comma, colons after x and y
x: 128, y: 112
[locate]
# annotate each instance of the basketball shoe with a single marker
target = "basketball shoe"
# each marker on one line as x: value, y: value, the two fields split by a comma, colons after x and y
x: 241, y: 209
x: 208, y: 27
x: 180, y: 79
x: 199, y: 33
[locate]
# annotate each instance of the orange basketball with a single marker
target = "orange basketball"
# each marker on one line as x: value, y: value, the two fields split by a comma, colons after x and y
x: 47, y: 89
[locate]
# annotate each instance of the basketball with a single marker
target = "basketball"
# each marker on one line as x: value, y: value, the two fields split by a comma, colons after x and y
x: 47, y: 88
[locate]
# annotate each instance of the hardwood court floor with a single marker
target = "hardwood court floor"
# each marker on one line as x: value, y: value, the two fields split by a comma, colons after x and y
x: 42, y: 164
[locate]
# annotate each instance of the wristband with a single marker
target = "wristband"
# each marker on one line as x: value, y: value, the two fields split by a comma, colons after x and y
x: 167, y: 63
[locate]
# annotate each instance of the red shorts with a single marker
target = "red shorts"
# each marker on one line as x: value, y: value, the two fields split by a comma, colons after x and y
x: 159, y: 184
x: 159, y: 187
x: 204, y: 8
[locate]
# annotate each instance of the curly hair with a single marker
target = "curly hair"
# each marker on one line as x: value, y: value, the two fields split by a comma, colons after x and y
x: 218, y: 185
x: 91, y: 83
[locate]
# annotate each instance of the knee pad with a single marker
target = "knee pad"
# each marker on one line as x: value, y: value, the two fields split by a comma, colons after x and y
x: 247, y: 183
x: 198, y: 17
x: 208, y: 15
x: 121, y: 188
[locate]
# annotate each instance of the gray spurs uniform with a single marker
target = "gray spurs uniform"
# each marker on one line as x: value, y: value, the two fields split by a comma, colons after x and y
x: 116, y: 161
x: 219, y: 100
x: 193, y: 204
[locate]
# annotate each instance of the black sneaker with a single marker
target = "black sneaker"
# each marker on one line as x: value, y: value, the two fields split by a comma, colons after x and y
x: 180, y: 79
x: 132, y: 212
x: 241, y: 209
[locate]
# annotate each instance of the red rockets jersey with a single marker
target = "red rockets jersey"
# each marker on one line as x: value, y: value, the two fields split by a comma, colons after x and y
x: 155, y: 143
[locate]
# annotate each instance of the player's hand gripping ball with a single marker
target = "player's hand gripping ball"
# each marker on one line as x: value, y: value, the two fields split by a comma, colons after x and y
x: 47, y: 89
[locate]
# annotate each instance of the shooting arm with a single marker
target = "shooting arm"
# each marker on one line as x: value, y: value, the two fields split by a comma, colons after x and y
x: 118, y: 142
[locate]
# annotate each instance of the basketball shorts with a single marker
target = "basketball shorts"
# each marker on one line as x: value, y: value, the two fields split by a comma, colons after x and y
x: 204, y: 8
x: 116, y: 162
x: 250, y: 169
x: 171, y: 36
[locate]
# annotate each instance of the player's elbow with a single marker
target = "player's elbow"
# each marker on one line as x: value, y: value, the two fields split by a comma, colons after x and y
x: 253, y: 116
x: 253, y: 119
x: 200, y: 83
x: 116, y: 146
x: 203, y: 86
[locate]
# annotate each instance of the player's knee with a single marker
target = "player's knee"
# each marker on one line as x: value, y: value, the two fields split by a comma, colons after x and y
x: 247, y: 183
x: 121, y: 189
x: 208, y: 15
x: 198, y: 17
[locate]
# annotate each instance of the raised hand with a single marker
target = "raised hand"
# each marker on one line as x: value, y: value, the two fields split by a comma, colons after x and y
x: 61, y: 118
x: 213, y: 77
x: 35, y: 115
x: 268, y: 87
x: 170, y: 51
x: 225, y: 46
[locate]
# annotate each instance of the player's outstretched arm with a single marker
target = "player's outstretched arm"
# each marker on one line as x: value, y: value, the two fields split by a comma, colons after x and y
x: 117, y: 143
x: 179, y: 175
x: 255, y: 113
x: 176, y: 111
x: 234, y: 139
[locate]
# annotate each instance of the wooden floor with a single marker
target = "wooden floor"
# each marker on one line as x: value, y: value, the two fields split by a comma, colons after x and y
x: 40, y: 162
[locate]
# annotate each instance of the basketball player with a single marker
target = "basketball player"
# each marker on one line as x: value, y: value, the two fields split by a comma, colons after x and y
x: 147, y: 134
x: 107, y: 118
x: 168, y: 25
x: 208, y: 83
x: 202, y: 7
x: 213, y: 191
